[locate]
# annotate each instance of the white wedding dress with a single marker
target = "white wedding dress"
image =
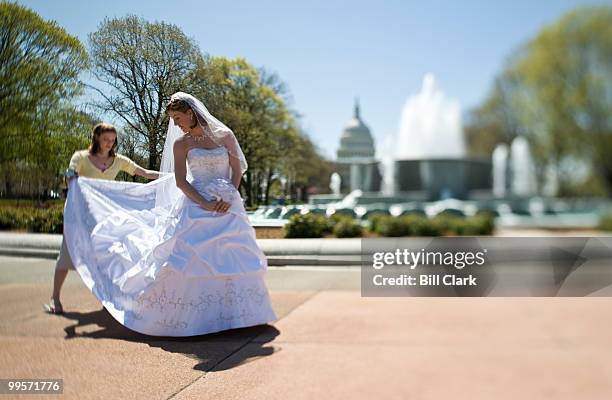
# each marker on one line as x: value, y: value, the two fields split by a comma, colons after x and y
x: 169, y: 271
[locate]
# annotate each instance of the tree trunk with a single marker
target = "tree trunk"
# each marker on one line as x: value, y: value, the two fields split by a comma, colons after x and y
x: 607, y: 175
x: 257, y: 188
x: 152, y: 151
x: 9, y: 186
x: 268, y: 184
x: 248, y: 188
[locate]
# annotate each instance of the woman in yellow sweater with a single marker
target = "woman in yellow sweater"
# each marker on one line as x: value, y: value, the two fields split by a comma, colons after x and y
x: 102, y: 162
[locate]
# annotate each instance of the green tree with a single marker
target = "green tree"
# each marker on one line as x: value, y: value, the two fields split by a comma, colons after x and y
x: 251, y: 103
x: 254, y: 103
x: 142, y: 63
x: 305, y: 167
x: 494, y: 121
x: 39, y: 69
x: 557, y: 91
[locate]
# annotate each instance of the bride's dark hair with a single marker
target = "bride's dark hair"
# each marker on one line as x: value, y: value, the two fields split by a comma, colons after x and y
x: 182, y: 106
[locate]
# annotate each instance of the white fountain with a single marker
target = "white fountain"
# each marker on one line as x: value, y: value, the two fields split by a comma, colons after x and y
x: 522, y: 167
x: 500, y: 170
x: 335, y: 182
x: 430, y: 125
x: 384, y: 153
x: 430, y: 151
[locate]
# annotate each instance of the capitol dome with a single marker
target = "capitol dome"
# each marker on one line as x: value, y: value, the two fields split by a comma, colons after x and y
x: 356, y: 140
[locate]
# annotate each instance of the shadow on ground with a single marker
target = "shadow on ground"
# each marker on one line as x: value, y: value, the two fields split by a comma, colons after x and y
x: 209, y: 350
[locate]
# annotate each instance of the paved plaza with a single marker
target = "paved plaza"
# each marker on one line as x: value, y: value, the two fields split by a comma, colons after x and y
x: 328, y: 343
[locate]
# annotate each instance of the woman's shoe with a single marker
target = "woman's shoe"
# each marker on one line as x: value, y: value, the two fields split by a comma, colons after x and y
x: 53, y: 308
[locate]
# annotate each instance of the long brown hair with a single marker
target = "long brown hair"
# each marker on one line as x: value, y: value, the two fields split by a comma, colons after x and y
x: 98, y: 130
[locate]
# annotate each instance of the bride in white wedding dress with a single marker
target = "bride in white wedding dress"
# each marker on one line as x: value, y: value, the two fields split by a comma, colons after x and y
x: 176, y: 256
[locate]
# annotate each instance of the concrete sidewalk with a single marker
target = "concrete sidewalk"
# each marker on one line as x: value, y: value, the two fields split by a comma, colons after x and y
x: 329, y: 343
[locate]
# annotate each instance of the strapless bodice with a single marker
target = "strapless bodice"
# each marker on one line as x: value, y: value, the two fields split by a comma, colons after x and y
x: 206, y: 165
x: 210, y: 171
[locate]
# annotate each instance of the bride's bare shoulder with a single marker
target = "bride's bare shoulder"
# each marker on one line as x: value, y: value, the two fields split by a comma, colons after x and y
x: 180, y: 144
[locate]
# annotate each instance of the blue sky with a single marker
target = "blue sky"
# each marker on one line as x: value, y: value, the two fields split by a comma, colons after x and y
x: 329, y: 52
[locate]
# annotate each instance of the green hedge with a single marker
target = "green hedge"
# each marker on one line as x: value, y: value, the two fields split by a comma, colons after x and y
x: 392, y: 227
x: 306, y: 226
x: 375, y: 219
x: 310, y: 225
x: 31, y: 219
x: 347, y: 228
x: 422, y: 226
x: 48, y: 218
x: 336, y: 219
x: 315, y: 226
x: 416, y: 225
x: 605, y: 223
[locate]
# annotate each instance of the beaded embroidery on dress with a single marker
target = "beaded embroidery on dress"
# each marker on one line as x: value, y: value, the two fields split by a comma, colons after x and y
x: 169, y: 271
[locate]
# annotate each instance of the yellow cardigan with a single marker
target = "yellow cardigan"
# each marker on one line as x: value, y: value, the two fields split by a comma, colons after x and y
x: 82, y: 164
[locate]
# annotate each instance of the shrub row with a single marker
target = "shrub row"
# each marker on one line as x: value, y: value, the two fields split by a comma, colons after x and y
x: 605, y: 223
x: 50, y: 220
x: 441, y: 225
x: 39, y: 220
x: 314, y: 226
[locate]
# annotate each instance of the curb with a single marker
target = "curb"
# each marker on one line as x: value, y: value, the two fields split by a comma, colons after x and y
x: 305, y: 260
x: 279, y: 252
